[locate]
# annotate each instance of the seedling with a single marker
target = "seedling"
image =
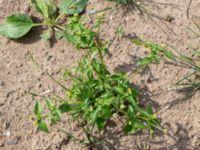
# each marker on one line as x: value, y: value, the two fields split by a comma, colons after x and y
x: 191, y: 80
x: 18, y: 25
x: 156, y: 51
x: 119, y: 31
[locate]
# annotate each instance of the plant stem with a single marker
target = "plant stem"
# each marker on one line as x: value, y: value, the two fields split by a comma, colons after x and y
x: 38, y: 24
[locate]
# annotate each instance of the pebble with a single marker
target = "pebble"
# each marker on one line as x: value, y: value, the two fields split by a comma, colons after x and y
x: 2, y: 83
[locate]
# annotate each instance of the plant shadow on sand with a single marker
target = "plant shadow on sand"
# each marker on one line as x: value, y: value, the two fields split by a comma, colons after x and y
x: 187, y: 92
x: 114, y: 140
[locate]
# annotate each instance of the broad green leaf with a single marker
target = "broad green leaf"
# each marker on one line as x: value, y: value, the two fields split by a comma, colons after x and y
x: 64, y: 108
x: 71, y: 7
x: 45, y: 7
x: 16, y: 26
x: 43, y: 126
x: 38, y: 109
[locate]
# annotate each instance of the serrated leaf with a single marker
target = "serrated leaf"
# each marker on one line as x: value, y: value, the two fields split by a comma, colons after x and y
x: 16, y: 26
x: 43, y: 126
x: 71, y: 7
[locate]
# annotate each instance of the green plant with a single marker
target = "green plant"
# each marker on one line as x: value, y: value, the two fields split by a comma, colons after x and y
x: 17, y: 25
x: 156, y: 51
x: 119, y: 31
x: 96, y: 95
x: 192, y: 79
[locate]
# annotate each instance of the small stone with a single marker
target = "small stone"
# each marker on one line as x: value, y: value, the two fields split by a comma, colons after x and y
x: 2, y: 83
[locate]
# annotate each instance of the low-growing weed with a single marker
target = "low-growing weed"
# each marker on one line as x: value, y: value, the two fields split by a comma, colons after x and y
x: 95, y: 96
x: 156, y: 51
x: 191, y: 80
x: 19, y: 24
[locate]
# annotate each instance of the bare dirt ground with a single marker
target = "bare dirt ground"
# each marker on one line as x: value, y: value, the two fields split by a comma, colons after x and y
x: 18, y: 74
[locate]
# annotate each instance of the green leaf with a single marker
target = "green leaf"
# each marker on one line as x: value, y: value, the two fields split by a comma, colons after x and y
x: 131, y: 112
x: 43, y: 126
x: 169, y: 54
x: 106, y: 113
x: 95, y: 113
x: 55, y: 115
x: 16, y: 26
x: 128, y: 128
x: 46, y: 35
x: 100, y: 123
x: 49, y: 103
x: 64, y: 108
x: 133, y: 127
x: 149, y: 109
x: 71, y: 7
x: 38, y: 109
x: 145, y: 61
x: 45, y: 7
x: 58, y: 35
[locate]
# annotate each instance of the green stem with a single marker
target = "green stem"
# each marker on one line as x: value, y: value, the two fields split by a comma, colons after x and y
x: 38, y: 24
x: 60, y: 16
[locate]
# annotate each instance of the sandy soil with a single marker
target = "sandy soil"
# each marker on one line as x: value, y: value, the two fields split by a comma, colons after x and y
x: 18, y: 74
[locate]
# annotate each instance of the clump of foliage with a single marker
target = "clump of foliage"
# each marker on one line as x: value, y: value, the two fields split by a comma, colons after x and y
x: 19, y: 24
x: 95, y: 94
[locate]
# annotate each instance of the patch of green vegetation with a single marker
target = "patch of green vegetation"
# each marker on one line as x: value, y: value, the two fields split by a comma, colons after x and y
x: 156, y: 52
x: 96, y: 95
x: 18, y: 25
